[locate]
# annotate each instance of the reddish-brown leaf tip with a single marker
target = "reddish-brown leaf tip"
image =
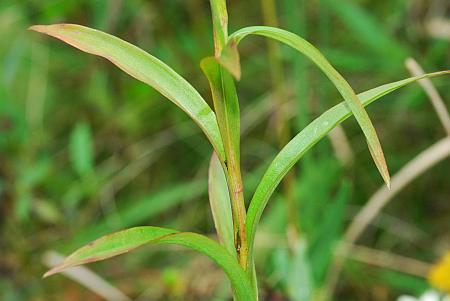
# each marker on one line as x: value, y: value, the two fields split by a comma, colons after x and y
x: 52, y: 271
x: 38, y: 28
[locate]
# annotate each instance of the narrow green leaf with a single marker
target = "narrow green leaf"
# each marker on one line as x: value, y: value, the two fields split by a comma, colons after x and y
x: 226, y: 105
x: 219, y: 198
x: 341, y: 84
x: 144, y: 67
x: 305, y: 140
x: 130, y: 239
x: 81, y: 149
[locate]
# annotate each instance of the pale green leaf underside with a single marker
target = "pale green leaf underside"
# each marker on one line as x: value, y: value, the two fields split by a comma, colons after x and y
x: 303, y: 141
x: 144, y: 67
x: 340, y: 83
x: 219, y: 198
x: 127, y: 240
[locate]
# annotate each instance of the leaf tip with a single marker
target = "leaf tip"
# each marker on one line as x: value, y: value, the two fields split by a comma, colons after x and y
x: 383, y: 169
x: 52, y: 271
x: 380, y: 162
x: 38, y: 28
x: 386, y: 178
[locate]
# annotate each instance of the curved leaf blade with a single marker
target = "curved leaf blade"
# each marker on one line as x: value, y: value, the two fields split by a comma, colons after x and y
x: 305, y: 140
x: 130, y: 239
x: 339, y: 82
x: 144, y: 67
x: 219, y: 199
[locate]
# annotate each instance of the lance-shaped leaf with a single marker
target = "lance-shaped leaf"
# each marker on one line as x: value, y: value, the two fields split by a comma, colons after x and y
x: 130, y: 239
x: 341, y: 84
x: 219, y: 199
x: 144, y: 67
x: 302, y: 142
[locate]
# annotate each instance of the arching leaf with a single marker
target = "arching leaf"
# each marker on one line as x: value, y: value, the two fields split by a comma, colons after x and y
x: 305, y: 140
x: 130, y: 239
x: 340, y: 83
x: 144, y: 67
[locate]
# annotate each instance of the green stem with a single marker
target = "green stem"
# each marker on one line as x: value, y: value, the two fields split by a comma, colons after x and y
x: 225, y: 104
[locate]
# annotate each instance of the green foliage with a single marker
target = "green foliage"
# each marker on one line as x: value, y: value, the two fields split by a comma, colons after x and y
x: 143, y: 67
x: 302, y: 142
x: 130, y: 239
x: 226, y: 105
x: 222, y: 128
x: 341, y: 84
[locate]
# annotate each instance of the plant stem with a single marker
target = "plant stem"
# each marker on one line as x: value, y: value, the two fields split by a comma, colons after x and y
x: 232, y: 148
x: 238, y: 208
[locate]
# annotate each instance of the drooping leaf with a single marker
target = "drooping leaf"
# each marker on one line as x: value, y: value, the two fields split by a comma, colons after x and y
x: 130, y: 239
x: 340, y: 83
x: 219, y: 199
x: 144, y: 67
x: 305, y: 140
x: 81, y: 149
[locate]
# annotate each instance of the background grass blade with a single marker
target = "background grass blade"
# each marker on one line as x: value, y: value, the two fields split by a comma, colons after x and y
x: 130, y: 239
x: 144, y: 67
x: 81, y: 149
x: 219, y: 199
x: 302, y: 142
x: 367, y: 30
x: 341, y: 84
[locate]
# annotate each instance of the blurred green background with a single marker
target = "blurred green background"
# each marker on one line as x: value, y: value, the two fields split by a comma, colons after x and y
x: 86, y: 150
